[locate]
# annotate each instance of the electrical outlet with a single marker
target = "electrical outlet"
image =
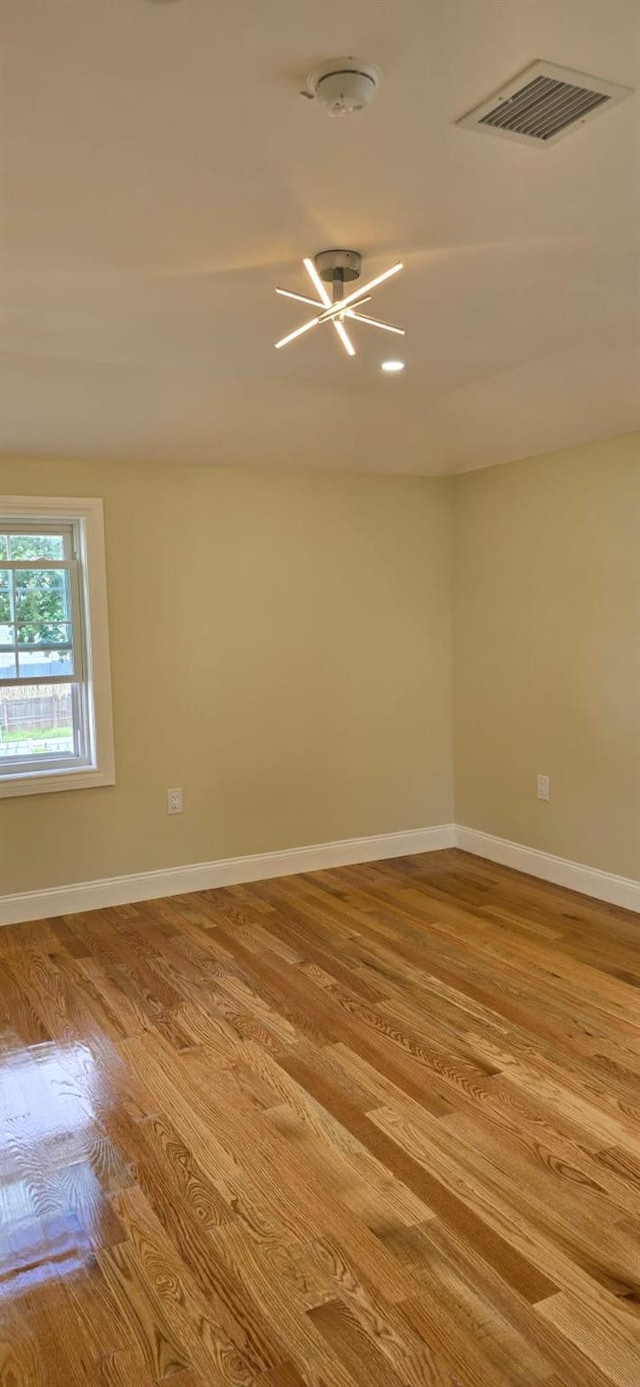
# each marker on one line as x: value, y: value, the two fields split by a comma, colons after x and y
x: 542, y: 786
x: 174, y: 801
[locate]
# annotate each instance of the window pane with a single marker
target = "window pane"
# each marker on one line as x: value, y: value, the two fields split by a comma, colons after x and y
x: 45, y: 633
x: 37, y: 721
x: 4, y: 547
x: 42, y: 664
x: 8, y: 668
x: 5, y: 596
x: 42, y: 596
x: 36, y: 547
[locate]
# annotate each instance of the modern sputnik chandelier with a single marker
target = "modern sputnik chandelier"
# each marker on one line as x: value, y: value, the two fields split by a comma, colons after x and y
x: 337, y: 268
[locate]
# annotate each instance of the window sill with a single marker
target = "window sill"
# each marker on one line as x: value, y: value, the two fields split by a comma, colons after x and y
x: 46, y: 782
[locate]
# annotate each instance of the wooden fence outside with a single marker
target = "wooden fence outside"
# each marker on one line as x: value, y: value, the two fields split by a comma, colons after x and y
x: 50, y: 707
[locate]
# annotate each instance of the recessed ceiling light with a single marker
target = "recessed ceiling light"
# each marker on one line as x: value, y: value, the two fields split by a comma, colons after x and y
x: 392, y: 366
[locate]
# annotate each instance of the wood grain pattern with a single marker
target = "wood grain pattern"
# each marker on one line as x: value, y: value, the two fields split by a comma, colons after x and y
x: 378, y: 1125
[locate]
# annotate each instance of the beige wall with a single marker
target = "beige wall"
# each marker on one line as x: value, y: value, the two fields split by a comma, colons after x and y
x: 547, y: 652
x: 280, y: 648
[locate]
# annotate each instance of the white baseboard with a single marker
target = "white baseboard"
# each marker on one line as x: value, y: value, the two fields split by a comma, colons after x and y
x: 231, y: 871
x: 228, y: 871
x: 605, y: 886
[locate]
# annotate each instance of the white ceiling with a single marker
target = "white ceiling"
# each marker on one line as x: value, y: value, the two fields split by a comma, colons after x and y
x: 161, y: 175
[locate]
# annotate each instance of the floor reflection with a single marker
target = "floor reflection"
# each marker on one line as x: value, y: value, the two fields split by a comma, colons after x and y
x: 52, y: 1205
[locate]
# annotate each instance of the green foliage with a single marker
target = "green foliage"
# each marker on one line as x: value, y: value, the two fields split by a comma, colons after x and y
x: 37, y: 547
x: 41, y: 605
x: 5, y: 601
x: 41, y: 594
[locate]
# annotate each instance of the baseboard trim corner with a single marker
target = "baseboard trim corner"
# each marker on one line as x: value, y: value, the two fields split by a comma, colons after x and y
x: 589, y: 881
x: 229, y: 871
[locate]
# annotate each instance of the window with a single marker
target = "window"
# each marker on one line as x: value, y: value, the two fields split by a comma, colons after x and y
x: 55, y: 694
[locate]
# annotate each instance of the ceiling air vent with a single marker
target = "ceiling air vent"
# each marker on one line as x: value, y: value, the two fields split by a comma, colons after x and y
x: 543, y: 103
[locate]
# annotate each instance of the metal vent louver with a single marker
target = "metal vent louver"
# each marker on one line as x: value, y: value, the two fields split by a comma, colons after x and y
x: 543, y: 103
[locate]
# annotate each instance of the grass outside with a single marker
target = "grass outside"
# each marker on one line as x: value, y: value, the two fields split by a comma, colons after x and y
x: 20, y: 734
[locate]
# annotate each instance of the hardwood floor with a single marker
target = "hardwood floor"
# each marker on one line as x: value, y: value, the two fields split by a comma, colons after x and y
x: 361, y: 1128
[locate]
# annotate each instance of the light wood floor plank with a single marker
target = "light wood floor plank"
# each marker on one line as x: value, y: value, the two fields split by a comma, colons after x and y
x: 371, y: 1127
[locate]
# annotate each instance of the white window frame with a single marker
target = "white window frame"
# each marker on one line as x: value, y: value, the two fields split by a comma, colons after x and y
x: 98, y: 766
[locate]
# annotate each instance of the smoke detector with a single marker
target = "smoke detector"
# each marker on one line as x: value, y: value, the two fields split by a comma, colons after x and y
x: 343, y: 85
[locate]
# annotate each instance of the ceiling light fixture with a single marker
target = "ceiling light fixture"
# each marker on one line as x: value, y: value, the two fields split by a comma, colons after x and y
x: 392, y: 366
x: 337, y: 268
